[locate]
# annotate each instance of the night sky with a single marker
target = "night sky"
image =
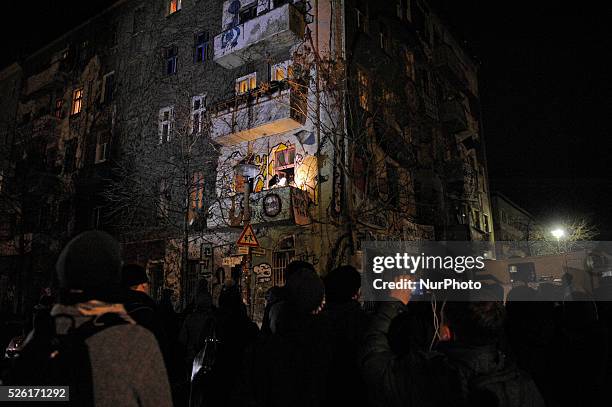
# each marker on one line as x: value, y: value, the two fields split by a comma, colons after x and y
x: 545, y: 92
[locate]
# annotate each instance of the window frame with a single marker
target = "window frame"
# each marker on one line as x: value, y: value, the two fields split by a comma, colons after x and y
x: 108, y: 94
x: 166, y: 138
x: 202, y: 50
x: 199, y: 111
x: 171, y: 57
x: 77, y: 101
x: 251, y: 83
x: 174, y: 6
x: 285, y: 66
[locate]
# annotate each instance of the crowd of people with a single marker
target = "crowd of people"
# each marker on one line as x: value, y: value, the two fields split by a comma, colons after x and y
x: 317, y: 345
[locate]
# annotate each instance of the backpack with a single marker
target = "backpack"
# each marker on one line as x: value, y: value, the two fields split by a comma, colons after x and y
x: 202, y: 371
x: 51, y: 359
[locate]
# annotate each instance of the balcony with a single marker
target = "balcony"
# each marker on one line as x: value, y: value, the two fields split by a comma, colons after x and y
x: 267, y: 34
x: 264, y: 112
x: 279, y: 206
x: 453, y: 116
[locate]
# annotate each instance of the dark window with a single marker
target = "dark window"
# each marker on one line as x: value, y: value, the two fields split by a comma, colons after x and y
x: 171, y: 60
x: 393, y: 184
x: 202, y: 47
x: 248, y: 13
x: 108, y: 87
x: 278, y: 3
x: 70, y: 156
x: 58, y: 110
x: 418, y: 18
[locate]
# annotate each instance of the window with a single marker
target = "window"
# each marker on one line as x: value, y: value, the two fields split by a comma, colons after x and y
x: 363, y: 88
x: 246, y: 83
x: 485, y: 223
x: 108, y: 88
x: 280, y: 71
x: 409, y: 62
x: 362, y: 21
x: 197, y: 195
x: 198, y: 107
x: 284, y: 167
x: 70, y: 150
x: 282, y: 255
x: 248, y: 12
x: 171, y: 60
x: 77, y: 101
x: 96, y: 217
x: 164, y: 198
x: 383, y: 37
x: 138, y: 21
x: 203, y: 50
x: 102, y: 148
x: 58, y: 111
x: 165, y: 124
x: 476, y: 219
x: 174, y: 6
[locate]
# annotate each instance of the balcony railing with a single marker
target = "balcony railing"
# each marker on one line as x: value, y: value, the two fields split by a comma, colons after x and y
x: 265, y: 112
x: 267, y: 34
x: 280, y: 206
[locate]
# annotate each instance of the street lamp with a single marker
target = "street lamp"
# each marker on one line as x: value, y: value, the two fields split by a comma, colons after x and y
x: 558, y: 234
x: 247, y: 172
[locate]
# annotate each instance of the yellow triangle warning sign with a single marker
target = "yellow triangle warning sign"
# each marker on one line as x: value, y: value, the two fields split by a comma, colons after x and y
x: 247, y: 237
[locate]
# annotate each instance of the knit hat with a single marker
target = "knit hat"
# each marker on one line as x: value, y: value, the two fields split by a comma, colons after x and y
x: 133, y: 275
x: 90, y: 261
x: 304, y: 290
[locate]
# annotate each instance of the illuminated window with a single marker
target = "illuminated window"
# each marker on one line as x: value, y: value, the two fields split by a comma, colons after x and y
x: 77, y: 101
x: 281, y: 71
x: 363, y: 87
x: 284, y: 167
x: 246, y: 83
x: 198, y: 106
x: 165, y: 124
x: 171, y: 60
x: 203, y: 49
x: 174, y: 6
x: 59, y: 108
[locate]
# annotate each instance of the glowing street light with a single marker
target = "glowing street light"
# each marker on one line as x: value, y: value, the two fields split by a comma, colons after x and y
x: 557, y: 233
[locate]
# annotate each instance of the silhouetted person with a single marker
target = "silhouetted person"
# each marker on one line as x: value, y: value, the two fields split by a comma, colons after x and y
x: 234, y: 330
x: 97, y: 348
x: 274, y: 295
x: 291, y: 367
x: 467, y: 367
x: 191, y: 333
x: 347, y: 322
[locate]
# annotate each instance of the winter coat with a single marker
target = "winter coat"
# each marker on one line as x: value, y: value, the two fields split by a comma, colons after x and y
x: 455, y: 375
x: 125, y: 362
x: 290, y: 367
x: 347, y: 322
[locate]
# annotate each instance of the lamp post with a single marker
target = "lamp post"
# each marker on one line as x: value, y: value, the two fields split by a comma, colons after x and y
x: 248, y: 172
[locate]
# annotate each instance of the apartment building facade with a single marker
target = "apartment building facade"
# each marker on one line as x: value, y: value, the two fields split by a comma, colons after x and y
x: 174, y: 124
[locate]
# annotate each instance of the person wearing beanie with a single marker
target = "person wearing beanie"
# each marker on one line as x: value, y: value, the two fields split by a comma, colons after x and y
x: 125, y: 366
x: 348, y: 322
